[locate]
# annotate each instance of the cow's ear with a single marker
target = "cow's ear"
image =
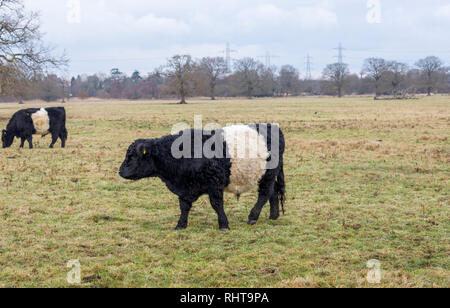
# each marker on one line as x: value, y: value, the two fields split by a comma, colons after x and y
x: 4, y: 132
x: 143, y: 150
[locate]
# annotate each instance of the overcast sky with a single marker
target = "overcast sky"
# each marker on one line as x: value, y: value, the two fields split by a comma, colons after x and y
x: 142, y: 34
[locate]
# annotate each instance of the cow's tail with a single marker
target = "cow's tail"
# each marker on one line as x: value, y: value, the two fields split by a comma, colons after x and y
x: 64, y: 132
x: 281, y: 188
x: 281, y: 183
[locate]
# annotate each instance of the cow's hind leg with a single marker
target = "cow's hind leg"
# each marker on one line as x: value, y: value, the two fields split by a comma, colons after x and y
x: 63, y: 137
x: 30, y: 141
x: 275, y: 205
x: 22, y: 142
x: 266, y: 191
x: 185, y: 208
x: 54, y: 139
x: 216, y: 198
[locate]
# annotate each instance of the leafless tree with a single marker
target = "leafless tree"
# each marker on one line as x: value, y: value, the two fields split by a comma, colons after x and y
x: 268, y: 81
x: 213, y: 68
x: 337, y: 74
x: 289, y: 79
x: 246, y: 71
x: 396, y: 72
x: 178, y: 71
x: 375, y: 68
x: 12, y: 83
x: 432, y: 70
x: 65, y: 87
x: 22, y: 52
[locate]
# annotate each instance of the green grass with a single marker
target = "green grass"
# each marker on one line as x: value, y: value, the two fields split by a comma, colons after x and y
x: 365, y: 180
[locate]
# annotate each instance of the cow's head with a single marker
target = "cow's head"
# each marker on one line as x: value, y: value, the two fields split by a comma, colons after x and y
x: 139, y: 162
x: 7, y: 139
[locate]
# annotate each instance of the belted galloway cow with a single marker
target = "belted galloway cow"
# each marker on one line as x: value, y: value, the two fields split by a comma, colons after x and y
x: 28, y: 122
x: 234, y: 159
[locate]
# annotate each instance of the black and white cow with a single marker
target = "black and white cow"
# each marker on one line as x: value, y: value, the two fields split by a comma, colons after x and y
x: 28, y: 122
x: 189, y: 178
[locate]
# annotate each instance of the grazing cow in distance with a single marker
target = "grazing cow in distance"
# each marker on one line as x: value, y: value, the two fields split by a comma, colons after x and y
x: 197, y: 175
x: 28, y: 122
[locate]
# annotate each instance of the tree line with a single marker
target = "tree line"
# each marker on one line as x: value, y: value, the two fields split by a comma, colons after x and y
x: 383, y: 77
x: 26, y: 63
x: 183, y: 77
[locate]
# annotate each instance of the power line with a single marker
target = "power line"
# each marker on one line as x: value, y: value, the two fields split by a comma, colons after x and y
x: 228, y: 51
x: 308, y: 67
x: 340, y: 55
x: 268, y: 58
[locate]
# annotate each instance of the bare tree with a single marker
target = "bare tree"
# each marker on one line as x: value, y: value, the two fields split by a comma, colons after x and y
x: 22, y: 52
x: 49, y: 87
x: 375, y: 68
x: 12, y: 83
x: 396, y: 72
x: 246, y: 72
x: 337, y: 74
x: 178, y: 71
x: 268, y: 81
x: 289, y: 79
x: 432, y: 70
x: 154, y: 82
x: 213, y: 68
x: 65, y: 86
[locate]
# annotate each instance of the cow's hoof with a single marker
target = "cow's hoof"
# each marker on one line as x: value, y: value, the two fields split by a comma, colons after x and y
x: 274, y: 217
x: 252, y: 222
x: 179, y: 228
x: 224, y: 229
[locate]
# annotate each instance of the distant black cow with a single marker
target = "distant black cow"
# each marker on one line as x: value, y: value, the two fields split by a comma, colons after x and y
x: 233, y: 172
x: 28, y: 122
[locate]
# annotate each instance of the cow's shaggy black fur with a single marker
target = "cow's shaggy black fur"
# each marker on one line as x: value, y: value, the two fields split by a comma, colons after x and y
x: 190, y: 178
x: 21, y: 126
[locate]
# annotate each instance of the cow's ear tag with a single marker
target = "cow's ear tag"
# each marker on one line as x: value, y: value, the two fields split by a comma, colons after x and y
x: 145, y: 151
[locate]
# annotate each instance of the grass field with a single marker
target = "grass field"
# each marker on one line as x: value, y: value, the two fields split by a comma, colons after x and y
x: 365, y: 180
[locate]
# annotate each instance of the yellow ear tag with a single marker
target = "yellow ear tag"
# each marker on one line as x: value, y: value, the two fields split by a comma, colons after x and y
x: 145, y: 152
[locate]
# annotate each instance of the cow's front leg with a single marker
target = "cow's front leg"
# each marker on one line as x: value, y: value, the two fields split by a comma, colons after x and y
x: 30, y: 141
x: 22, y: 142
x: 216, y: 198
x: 185, y: 208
